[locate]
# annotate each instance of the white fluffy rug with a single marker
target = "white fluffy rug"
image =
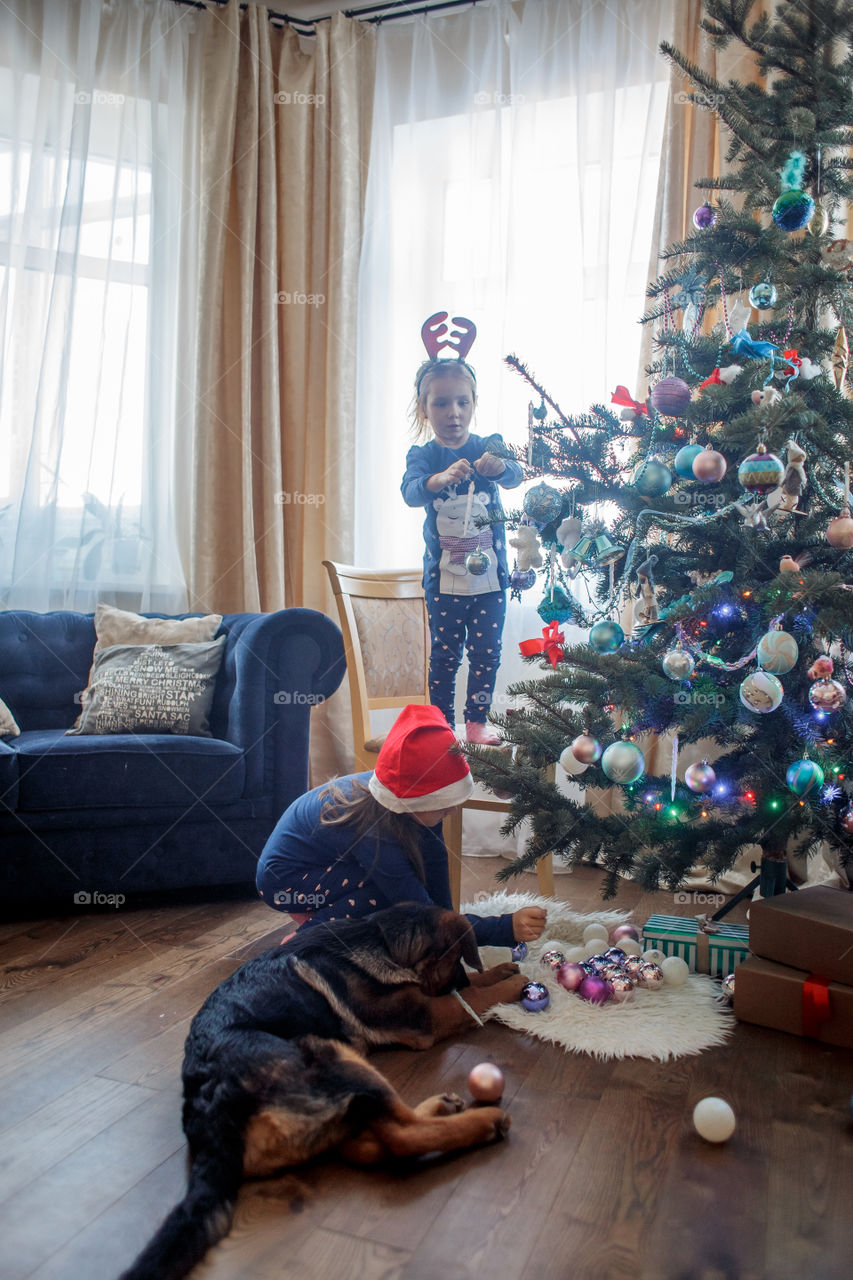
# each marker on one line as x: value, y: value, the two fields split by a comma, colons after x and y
x: 663, y: 1024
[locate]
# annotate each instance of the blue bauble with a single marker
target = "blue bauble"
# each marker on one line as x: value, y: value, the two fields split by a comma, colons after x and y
x: 554, y: 606
x: 804, y: 776
x: 684, y: 461
x: 651, y: 478
x: 606, y: 636
x: 522, y: 579
x: 519, y: 952
x: 792, y: 210
x: 543, y: 503
x: 763, y: 295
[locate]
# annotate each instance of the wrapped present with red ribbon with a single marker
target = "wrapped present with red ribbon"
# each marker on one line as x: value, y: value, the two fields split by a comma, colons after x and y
x: 793, y: 1000
x: 550, y: 643
x: 810, y: 929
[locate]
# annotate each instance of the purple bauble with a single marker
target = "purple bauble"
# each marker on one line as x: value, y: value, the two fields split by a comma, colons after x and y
x: 570, y: 975
x: 625, y: 931
x: 670, y: 396
x: 616, y: 954
x: 704, y: 217
x: 522, y: 579
x: 534, y: 997
x: 595, y: 990
x: 598, y: 963
x: 519, y: 951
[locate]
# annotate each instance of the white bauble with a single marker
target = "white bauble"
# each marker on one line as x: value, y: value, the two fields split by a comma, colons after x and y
x: 714, y: 1120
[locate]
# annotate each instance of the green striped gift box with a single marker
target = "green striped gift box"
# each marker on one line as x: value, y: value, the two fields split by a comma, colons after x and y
x: 716, y: 951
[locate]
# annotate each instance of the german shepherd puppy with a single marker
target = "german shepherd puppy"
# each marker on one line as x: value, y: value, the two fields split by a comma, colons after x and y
x: 274, y: 1071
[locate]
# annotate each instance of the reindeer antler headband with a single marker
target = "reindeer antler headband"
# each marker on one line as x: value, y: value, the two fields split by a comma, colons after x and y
x: 437, y: 336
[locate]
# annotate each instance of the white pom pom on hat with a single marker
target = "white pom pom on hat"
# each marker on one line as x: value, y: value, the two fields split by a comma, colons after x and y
x: 420, y: 766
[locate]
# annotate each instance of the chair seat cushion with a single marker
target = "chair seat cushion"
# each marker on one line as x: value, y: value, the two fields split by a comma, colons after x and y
x: 123, y: 769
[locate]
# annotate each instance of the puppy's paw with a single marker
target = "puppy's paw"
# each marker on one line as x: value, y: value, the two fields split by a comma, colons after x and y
x: 451, y: 1104
x: 496, y: 974
x: 502, y: 1127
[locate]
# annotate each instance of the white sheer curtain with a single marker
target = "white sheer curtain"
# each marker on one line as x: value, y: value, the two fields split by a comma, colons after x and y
x: 93, y: 99
x: 513, y: 176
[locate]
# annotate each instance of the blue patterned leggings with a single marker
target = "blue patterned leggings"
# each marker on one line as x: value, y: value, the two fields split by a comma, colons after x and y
x: 474, y: 623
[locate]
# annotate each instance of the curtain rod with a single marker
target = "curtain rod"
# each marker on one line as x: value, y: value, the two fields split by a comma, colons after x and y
x: 386, y: 12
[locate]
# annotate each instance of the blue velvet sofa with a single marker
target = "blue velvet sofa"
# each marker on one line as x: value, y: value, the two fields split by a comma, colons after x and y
x: 86, y: 818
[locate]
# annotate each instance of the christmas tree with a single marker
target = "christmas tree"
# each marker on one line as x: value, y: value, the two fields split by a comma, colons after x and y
x: 709, y: 521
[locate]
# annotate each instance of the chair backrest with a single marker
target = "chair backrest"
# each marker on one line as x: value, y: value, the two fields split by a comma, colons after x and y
x: 384, y: 623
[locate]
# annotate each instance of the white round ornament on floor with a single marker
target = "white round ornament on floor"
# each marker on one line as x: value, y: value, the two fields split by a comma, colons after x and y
x: 576, y: 954
x: 654, y: 955
x: 630, y: 947
x: 674, y: 970
x: 714, y: 1120
x: 594, y: 931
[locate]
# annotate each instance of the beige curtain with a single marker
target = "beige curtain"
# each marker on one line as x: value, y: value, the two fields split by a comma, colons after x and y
x: 284, y: 136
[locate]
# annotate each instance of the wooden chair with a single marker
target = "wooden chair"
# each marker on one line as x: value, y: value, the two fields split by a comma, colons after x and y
x: 384, y: 622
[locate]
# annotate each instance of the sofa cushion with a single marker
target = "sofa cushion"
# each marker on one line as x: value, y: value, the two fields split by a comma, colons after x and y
x: 105, y: 771
x: 151, y: 689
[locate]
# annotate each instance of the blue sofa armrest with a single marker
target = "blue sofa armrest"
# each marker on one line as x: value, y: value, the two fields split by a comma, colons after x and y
x: 285, y: 663
x: 8, y: 777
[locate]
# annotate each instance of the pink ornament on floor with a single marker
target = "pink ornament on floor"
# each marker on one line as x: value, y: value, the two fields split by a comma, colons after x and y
x: 625, y: 931
x: 570, y: 975
x: 595, y: 990
x: 486, y: 1082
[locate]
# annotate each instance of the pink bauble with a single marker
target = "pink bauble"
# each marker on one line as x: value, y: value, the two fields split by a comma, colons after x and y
x: 594, y: 989
x: 625, y: 931
x: 839, y: 532
x: 709, y: 466
x: 586, y: 749
x: 570, y: 975
x: 486, y: 1082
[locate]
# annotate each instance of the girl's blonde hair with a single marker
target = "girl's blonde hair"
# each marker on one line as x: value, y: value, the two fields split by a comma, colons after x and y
x: 429, y: 370
x: 367, y: 819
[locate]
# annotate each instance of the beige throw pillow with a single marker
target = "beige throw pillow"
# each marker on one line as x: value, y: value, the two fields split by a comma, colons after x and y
x: 8, y: 727
x: 119, y: 626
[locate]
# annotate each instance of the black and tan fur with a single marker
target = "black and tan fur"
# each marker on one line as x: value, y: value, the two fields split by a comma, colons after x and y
x: 274, y: 1071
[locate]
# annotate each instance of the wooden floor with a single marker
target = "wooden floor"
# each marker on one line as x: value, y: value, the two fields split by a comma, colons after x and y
x: 601, y: 1176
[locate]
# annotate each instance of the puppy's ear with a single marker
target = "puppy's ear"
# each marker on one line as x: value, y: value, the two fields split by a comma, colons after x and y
x: 459, y: 932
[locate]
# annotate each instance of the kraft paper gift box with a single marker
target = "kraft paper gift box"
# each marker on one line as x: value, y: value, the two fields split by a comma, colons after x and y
x: 775, y: 995
x: 809, y: 929
x: 713, y: 947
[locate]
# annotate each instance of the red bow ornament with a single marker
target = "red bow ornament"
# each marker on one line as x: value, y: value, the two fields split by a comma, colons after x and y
x: 713, y: 380
x: 550, y: 643
x: 792, y: 357
x: 622, y: 396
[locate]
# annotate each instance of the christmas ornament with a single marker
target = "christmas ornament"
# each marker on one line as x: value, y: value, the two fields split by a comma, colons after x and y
x: 677, y: 663
x: 846, y: 820
x: 840, y: 358
x: 767, y: 396
x: 623, y: 931
x: 683, y: 464
x: 822, y: 668
x: 700, y: 777
x: 631, y: 965
x: 803, y: 777
x: 552, y: 959
x: 609, y: 972
x: 554, y: 605
x: 646, y: 609
x: 586, y: 749
x: 761, y: 471
x: 650, y: 976
x: 594, y: 989
x: 819, y: 224
x: 670, y: 397
x: 709, y: 466
x: 837, y: 255
x: 714, y: 1120
x: 675, y: 971
x: 761, y: 692
x: 570, y: 975
x: 570, y: 763
x: 827, y: 695
x: 787, y: 495
x: 486, y: 1082
x: 743, y: 344
x: 606, y: 551
x: 839, y: 532
x: 653, y: 955
x: 550, y: 643
x: 632, y: 408
x: 652, y: 478
x: 606, y: 636
x: 593, y: 931
x: 622, y: 987
x: 763, y: 295
x: 477, y: 563
x: 568, y: 533
x: 631, y: 947
x: 728, y: 986
x: 777, y: 651
x: 519, y: 952
x: 535, y: 997
x: 616, y: 954
x: 793, y: 210
x: 543, y: 503
x: 704, y: 217
x: 623, y: 763
x: 528, y: 551
x: 521, y: 580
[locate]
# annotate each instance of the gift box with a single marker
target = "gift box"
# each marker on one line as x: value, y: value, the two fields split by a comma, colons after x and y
x: 804, y: 1004
x: 713, y: 947
x: 809, y: 929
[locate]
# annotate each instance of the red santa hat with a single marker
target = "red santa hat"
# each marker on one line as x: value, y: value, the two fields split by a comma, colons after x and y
x: 420, y: 766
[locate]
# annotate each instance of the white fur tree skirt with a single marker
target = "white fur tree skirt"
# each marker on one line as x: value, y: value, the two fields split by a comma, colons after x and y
x: 668, y: 1023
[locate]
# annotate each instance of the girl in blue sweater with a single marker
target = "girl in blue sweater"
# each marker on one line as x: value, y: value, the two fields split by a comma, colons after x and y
x: 370, y: 840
